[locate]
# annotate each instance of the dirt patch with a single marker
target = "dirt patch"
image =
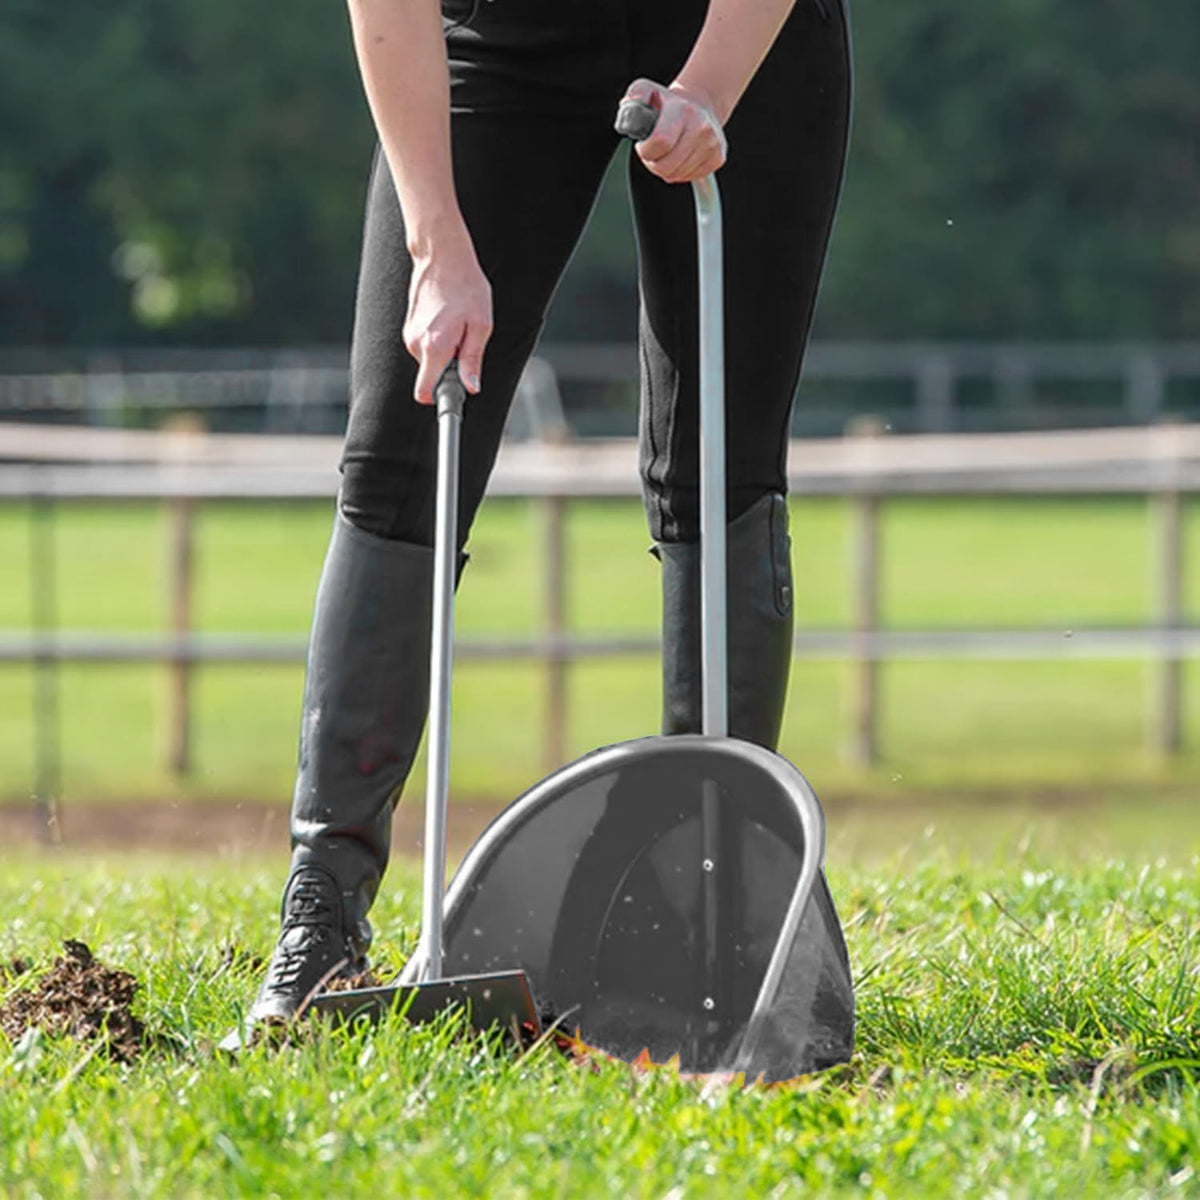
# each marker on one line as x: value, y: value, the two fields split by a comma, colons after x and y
x: 352, y: 983
x: 209, y: 827
x: 81, y: 998
x: 860, y: 822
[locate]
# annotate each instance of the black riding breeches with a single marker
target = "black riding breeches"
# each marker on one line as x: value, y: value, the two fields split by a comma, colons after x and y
x: 534, y: 91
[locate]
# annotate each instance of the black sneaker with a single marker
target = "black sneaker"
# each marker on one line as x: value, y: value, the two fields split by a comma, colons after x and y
x: 313, y: 948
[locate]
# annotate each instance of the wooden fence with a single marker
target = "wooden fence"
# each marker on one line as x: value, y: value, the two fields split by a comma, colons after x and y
x: 46, y: 464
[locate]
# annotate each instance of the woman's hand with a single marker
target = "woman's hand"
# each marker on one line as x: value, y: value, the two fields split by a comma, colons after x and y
x: 688, y: 141
x: 449, y: 314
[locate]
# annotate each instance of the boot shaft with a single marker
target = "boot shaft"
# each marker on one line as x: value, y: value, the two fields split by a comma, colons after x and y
x: 760, y: 623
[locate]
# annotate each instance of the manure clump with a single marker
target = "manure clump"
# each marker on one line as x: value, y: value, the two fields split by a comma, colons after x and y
x: 78, y: 997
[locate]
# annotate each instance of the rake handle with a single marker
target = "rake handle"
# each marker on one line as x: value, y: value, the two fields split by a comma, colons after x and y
x: 450, y: 398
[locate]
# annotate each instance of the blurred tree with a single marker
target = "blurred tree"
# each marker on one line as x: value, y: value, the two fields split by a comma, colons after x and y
x: 195, y: 173
x: 1024, y: 169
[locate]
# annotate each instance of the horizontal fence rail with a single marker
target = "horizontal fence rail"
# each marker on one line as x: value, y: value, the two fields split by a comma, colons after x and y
x: 936, y: 382
x: 1131, y: 642
x: 116, y: 464
x: 42, y: 464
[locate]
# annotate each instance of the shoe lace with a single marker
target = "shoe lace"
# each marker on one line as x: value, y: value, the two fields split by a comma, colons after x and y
x: 309, y: 907
x: 290, y: 961
x: 309, y: 904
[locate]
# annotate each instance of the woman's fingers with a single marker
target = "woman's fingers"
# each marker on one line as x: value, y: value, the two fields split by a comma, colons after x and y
x: 470, y: 354
x: 465, y: 341
x: 647, y: 92
x: 667, y: 129
x: 449, y: 316
x: 687, y: 141
x: 433, y: 353
x: 699, y: 150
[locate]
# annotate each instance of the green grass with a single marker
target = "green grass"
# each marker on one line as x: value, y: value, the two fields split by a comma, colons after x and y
x: 1011, y: 562
x: 1029, y: 1025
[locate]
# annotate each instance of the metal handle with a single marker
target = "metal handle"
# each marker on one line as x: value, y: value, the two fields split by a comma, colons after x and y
x: 450, y: 397
x: 636, y: 121
x: 812, y: 822
x: 713, y: 599
x: 450, y: 393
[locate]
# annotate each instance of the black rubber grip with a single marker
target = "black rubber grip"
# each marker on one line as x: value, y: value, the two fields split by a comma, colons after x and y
x: 636, y: 120
x: 449, y: 393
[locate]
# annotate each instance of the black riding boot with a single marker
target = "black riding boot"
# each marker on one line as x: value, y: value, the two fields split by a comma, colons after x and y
x: 365, y: 700
x: 760, y: 625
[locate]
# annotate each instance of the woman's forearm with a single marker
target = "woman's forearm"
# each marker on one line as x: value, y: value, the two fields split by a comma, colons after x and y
x: 402, y: 59
x: 733, y: 42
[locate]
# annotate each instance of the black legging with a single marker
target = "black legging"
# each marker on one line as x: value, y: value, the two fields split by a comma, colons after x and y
x: 534, y: 90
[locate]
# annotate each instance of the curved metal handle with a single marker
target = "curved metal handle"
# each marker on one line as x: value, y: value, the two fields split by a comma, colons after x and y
x: 812, y: 822
x: 636, y: 120
x: 714, y: 669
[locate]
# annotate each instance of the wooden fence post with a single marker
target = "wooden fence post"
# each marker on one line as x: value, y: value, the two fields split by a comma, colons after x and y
x: 552, y: 510
x: 179, y: 705
x: 1145, y: 388
x: 180, y: 573
x: 47, y: 715
x: 864, y: 565
x: 935, y: 393
x: 1166, y: 727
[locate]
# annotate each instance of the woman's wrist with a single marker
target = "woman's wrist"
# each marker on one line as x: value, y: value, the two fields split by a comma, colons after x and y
x: 733, y: 41
x: 434, y: 228
x: 700, y: 93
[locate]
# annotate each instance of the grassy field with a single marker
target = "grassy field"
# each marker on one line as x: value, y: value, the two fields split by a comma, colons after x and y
x: 1015, y: 562
x: 1028, y: 977
x: 1029, y: 1025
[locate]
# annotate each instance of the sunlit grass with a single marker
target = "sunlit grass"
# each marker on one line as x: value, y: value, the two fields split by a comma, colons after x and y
x: 986, y: 562
x: 1028, y: 1025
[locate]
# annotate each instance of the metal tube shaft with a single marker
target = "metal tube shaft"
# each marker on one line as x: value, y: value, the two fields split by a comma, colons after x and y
x: 713, y: 603
x: 450, y: 397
